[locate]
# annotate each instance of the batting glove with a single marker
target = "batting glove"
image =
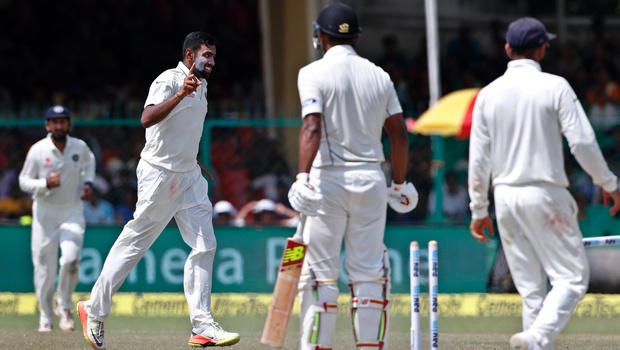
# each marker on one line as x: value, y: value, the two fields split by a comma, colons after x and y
x: 403, y: 198
x: 303, y: 197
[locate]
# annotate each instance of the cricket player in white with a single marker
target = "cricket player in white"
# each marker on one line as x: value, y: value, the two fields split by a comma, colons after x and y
x: 341, y: 190
x: 170, y: 185
x: 58, y: 172
x: 516, y: 142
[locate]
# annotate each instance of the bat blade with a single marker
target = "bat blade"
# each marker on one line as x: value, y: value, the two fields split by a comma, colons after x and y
x: 284, y: 292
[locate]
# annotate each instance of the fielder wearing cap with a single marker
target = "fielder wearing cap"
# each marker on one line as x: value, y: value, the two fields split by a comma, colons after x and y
x: 57, y: 112
x: 527, y: 33
x: 58, y: 171
x: 516, y: 148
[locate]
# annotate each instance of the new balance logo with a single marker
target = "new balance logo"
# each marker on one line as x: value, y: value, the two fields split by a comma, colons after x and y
x: 293, y: 254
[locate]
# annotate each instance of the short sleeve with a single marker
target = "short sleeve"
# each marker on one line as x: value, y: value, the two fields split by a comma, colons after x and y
x: 309, y: 93
x: 161, y: 89
x: 393, y: 106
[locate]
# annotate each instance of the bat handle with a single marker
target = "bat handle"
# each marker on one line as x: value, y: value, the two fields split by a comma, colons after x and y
x: 299, y: 233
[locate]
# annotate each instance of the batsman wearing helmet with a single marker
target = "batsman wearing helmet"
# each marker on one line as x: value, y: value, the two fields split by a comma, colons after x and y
x: 519, y: 121
x: 341, y: 189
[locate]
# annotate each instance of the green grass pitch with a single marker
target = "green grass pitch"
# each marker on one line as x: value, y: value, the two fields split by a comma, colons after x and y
x: 170, y: 333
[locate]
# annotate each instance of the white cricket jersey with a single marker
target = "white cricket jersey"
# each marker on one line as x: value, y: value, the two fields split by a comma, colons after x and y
x: 516, y: 136
x: 173, y: 143
x: 355, y: 97
x: 76, y: 165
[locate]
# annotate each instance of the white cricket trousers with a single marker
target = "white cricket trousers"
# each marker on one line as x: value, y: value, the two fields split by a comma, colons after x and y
x: 54, y: 227
x: 353, y: 210
x: 542, y: 240
x: 162, y: 195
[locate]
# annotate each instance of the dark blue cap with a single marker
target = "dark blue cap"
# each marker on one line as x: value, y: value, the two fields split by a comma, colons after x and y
x: 527, y: 33
x: 338, y: 20
x: 57, y: 112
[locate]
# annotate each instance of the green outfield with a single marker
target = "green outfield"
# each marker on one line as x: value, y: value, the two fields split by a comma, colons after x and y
x: 151, y: 333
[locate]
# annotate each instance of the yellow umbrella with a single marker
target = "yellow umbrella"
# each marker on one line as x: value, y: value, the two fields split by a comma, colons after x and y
x: 450, y: 116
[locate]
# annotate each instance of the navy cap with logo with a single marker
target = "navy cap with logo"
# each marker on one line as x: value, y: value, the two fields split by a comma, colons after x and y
x: 527, y: 33
x: 57, y: 112
x: 338, y: 20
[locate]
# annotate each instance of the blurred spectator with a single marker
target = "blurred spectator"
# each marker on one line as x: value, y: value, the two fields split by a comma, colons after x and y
x: 123, y: 211
x: 126, y: 182
x: 16, y: 204
x: 10, y: 174
x: 224, y: 213
x: 401, y: 84
x: 97, y: 210
x: 266, y: 213
x: 267, y: 184
x: 392, y: 56
x: 569, y: 62
x: 581, y: 84
x: 496, y: 58
x: 464, y: 48
x: 602, y: 55
x: 235, y: 182
x: 602, y: 98
x: 455, y: 200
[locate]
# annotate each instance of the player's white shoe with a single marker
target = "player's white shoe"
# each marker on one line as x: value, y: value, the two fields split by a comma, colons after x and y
x: 214, y: 335
x: 93, y: 329
x: 44, y: 327
x: 66, y: 323
x: 522, y: 341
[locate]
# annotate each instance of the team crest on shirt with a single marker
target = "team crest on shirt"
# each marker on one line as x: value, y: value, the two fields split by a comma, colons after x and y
x: 48, y: 163
x: 75, y: 157
x: 309, y: 101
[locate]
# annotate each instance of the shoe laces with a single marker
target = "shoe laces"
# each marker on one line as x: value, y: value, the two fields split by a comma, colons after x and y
x: 217, y: 329
x: 97, y: 328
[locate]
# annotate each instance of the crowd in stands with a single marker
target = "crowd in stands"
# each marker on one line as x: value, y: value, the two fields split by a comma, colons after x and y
x: 249, y: 166
x: 99, y: 57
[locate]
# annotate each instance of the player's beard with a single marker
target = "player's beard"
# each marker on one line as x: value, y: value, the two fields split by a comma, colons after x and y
x: 59, y: 136
x: 200, y: 67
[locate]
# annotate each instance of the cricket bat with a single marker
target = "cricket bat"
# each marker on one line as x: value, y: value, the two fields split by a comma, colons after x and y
x: 284, y: 293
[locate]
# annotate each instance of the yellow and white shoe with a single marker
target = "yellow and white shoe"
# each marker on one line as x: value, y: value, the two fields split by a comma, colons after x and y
x: 93, y: 329
x: 214, y: 335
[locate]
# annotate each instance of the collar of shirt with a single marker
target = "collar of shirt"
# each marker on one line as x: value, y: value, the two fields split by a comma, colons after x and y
x: 53, y: 146
x: 340, y: 50
x: 524, y: 63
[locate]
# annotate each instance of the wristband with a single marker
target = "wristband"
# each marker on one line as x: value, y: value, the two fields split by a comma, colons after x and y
x: 178, y: 98
x: 302, y: 177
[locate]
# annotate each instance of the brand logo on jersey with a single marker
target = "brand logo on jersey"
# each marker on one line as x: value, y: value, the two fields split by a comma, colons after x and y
x: 309, y: 101
x: 75, y: 157
x: 343, y: 28
x: 48, y: 163
x: 192, y: 95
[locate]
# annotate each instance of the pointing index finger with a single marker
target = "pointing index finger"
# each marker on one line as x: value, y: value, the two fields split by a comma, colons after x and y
x: 191, y: 70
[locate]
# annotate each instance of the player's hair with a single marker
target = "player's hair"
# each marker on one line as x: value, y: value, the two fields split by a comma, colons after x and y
x: 195, y: 40
x: 341, y: 41
x: 527, y: 53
